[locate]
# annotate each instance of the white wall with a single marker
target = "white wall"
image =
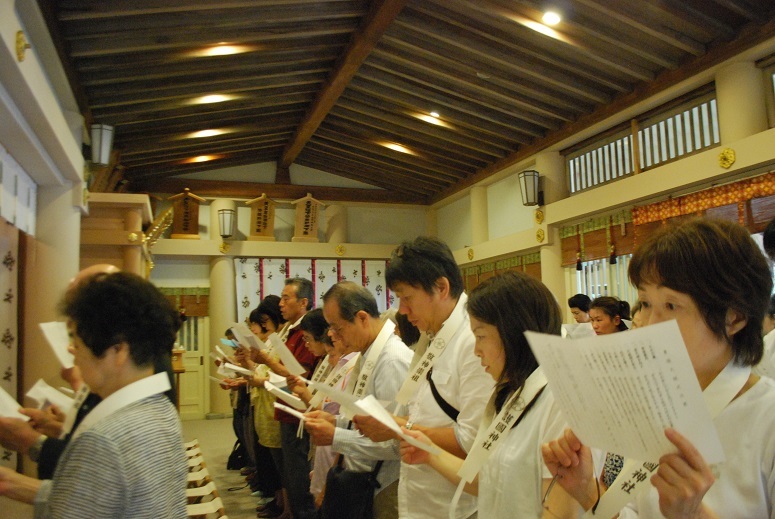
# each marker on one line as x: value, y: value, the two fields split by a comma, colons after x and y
x: 384, y: 224
x: 454, y: 223
x: 505, y: 212
x: 176, y: 271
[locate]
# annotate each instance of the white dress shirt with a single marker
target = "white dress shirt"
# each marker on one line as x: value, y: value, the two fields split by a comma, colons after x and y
x: 461, y: 380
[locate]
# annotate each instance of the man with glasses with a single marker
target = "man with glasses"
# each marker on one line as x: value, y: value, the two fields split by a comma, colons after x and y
x: 353, y: 317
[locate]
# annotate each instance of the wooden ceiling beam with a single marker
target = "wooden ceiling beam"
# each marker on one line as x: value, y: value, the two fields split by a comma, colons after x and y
x: 214, y: 188
x: 363, y: 42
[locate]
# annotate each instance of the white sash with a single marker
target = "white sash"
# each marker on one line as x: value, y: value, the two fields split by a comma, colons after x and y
x: 332, y: 380
x: 635, y: 475
x: 421, y: 366
x: 134, y: 392
x: 72, y: 413
x: 489, y: 436
x: 357, y: 384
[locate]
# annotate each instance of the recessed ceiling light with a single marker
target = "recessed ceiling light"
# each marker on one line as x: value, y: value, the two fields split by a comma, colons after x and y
x: 206, y: 133
x: 432, y: 119
x: 221, y: 50
x: 398, y: 147
x: 483, y: 75
x: 435, y: 114
x: 201, y: 158
x: 213, y: 98
x: 551, y: 18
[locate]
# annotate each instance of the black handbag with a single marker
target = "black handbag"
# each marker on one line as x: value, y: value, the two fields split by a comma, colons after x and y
x: 349, y: 494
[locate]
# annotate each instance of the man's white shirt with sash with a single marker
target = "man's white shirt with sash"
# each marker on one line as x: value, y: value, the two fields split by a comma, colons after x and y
x: 462, y: 382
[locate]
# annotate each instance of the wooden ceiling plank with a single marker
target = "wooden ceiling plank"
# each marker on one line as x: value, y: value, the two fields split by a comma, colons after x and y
x: 175, y: 169
x: 406, y: 123
x: 375, y: 24
x: 478, y: 118
x: 609, y: 9
x: 433, y: 62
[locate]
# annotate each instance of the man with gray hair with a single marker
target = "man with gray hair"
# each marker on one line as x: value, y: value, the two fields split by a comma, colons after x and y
x: 352, y: 314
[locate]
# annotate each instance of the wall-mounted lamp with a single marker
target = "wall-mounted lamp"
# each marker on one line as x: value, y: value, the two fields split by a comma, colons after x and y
x: 101, y: 143
x: 529, y: 181
x: 226, y: 222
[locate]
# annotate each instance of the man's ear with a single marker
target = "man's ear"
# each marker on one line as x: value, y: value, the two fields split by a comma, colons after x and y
x: 442, y: 286
x: 735, y: 321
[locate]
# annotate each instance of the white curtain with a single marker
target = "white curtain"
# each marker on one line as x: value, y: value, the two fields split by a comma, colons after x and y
x: 9, y: 299
x: 259, y: 277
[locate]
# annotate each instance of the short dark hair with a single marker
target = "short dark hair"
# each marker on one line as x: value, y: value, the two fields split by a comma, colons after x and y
x: 410, y: 334
x: 768, y: 238
x: 315, y: 324
x: 304, y: 290
x: 421, y: 262
x: 121, y: 307
x: 718, y: 265
x: 580, y: 301
x: 514, y: 302
x: 612, y: 307
x: 267, y: 310
x: 352, y: 298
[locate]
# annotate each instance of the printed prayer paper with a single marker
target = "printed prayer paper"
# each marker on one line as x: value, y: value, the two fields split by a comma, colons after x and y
x: 289, y: 361
x: 277, y: 380
x: 370, y: 406
x: 59, y: 339
x: 245, y: 337
x: 216, y: 379
x: 45, y: 395
x: 291, y: 399
x: 225, y: 372
x: 344, y: 399
x: 620, y: 391
x: 219, y: 350
x: 9, y: 407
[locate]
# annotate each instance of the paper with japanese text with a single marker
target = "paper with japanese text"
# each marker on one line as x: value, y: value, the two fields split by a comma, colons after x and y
x: 289, y: 398
x: 620, y: 391
x: 46, y: 395
x: 245, y: 337
x: 59, y: 339
x: 370, y: 406
x: 9, y: 407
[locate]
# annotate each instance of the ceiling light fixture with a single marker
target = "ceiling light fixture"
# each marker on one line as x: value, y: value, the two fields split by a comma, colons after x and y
x: 551, y: 18
x: 221, y: 49
x: 201, y: 158
x: 541, y: 28
x: 435, y: 114
x: 398, y: 147
x: 212, y: 98
x: 432, y: 119
x: 206, y: 133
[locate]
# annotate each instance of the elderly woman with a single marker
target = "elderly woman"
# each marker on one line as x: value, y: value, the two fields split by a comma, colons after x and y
x: 126, y: 458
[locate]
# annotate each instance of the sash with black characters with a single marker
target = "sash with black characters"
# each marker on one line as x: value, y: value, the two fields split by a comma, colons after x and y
x: 493, y: 430
x: 421, y: 365
x: 334, y: 377
x: 635, y: 476
x: 72, y: 413
x: 357, y: 384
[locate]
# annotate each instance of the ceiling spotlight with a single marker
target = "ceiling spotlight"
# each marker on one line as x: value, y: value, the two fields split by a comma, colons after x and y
x: 398, y: 147
x: 483, y: 75
x: 201, y: 158
x: 435, y: 114
x: 212, y: 98
x: 205, y: 133
x: 551, y: 18
x: 221, y: 50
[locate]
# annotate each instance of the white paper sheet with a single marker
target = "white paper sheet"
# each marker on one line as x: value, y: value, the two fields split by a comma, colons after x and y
x: 225, y: 372
x: 46, y: 395
x: 59, y: 340
x: 295, y: 401
x: 9, y: 407
x: 216, y: 379
x: 345, y: 400
x: 620, y: 391
x: 277, y: 380
x: 291, y: 411
x: 289, y: 361
x: 221, y: 352
x: 245, y: 337
x: 577, y: 330
x: 238, y: 369
x: 370, y: 406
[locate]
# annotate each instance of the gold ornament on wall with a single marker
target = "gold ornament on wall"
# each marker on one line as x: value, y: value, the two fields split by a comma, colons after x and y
x: 225, y: 247
x: 726, y: 158
x: 340, y: 250
x: 470, y: 254
x: 540, y: 235
x: 21, y: 46
x: 539, y: 216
